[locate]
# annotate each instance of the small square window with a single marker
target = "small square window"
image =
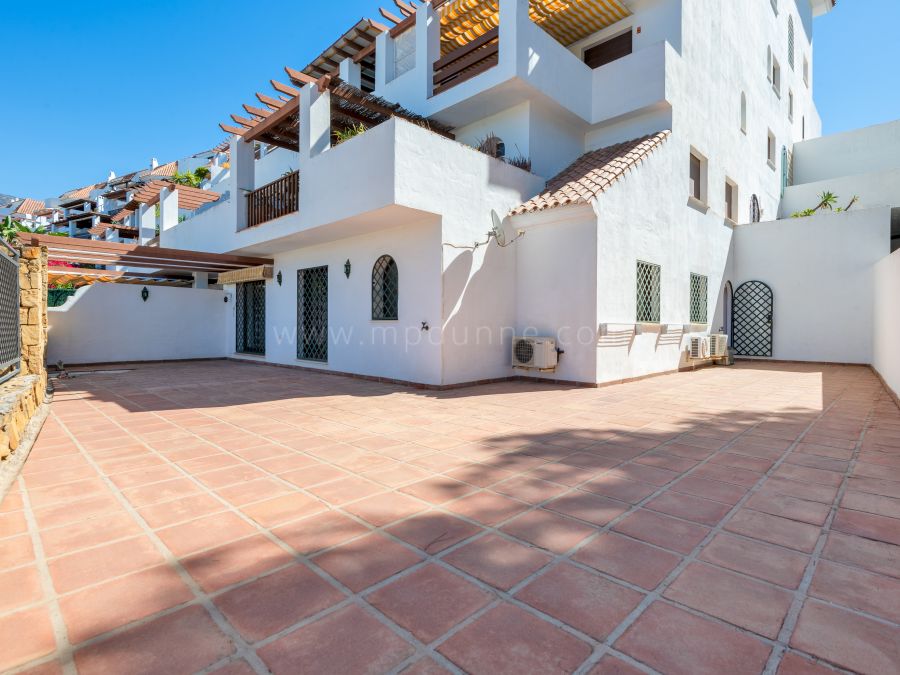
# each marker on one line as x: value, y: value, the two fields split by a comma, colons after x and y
x: 648, y: 283
x: 805, y: 71
x: 699, y: 298
x: 770, y: 149
x: 790, y: 105
x: 731, y: 200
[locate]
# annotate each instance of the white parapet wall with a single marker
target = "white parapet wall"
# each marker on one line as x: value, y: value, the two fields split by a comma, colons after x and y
x: 886, y: 332
x: 106, y: 323
x: 821, y: 271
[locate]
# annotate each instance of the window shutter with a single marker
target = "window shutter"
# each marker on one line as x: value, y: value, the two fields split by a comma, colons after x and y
x: 791, y: 42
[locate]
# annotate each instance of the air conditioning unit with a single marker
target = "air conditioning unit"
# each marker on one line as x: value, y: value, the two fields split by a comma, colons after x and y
x: 534, y: 352
x: 718, y: 345
x: 699, y: 347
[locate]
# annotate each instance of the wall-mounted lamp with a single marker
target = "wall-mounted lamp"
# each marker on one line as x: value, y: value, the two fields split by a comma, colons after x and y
x: 145, y: 293
x: 279, y: 278
x: 347, y: 268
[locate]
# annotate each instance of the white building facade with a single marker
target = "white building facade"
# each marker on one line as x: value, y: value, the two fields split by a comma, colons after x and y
x: 623, y: 164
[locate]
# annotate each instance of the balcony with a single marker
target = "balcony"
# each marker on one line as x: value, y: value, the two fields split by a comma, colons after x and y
x: 466, y: 62
x: 274, y: 200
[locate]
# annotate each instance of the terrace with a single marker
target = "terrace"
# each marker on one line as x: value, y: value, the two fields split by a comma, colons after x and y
x: 236, y: 518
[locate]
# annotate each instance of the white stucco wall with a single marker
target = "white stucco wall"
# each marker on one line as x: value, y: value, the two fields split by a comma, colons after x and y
x: 395, y: 349
x: 821, y: 272
x: 886, y: 332
x: 646, y: 217
x: 861, y: 151
x: 105, y: 323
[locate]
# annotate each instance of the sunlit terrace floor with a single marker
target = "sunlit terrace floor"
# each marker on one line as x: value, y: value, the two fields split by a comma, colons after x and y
x: 233, y: 518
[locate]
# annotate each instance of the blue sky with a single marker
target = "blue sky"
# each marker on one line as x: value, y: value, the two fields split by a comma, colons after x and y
x: 95, y: 86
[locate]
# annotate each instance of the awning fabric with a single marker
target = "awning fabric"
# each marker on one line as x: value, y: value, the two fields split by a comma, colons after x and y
x: 568, y: 21
x: 257, y: 273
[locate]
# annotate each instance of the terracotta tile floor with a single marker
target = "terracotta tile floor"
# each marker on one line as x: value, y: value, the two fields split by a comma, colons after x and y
x: 231, y: 518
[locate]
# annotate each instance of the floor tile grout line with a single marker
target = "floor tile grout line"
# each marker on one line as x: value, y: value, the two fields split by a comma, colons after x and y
x: 173, y: 562
x: 60, y: 633
x: 657, y: 593
x: 354, y: 597
x: 802, y: 592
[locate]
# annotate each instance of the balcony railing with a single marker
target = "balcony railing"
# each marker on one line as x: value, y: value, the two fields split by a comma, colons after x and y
x: 467, y: 61
x: 273, y: 200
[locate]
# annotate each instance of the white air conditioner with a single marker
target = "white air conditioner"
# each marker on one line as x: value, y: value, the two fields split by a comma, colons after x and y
x: 699, y: 347
x: 534, y: 352
x: 718, y: 345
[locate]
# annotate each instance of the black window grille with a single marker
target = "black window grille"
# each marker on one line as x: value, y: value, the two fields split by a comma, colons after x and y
x: 385, y: 289
x: 312, y: 314
x: 10, y: 343
x: 648, y: 283
x: 250, y: 309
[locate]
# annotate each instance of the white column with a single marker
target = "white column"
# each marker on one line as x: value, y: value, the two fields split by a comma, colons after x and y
x: 168, y: 210
x: 513, y: 14
x: 428, y: 46
x: 201, y: 280
x: 315, y: 122
x: 382, y: 56
x: 242, y: 168
x: 146, y: 223
x: 351, y: 72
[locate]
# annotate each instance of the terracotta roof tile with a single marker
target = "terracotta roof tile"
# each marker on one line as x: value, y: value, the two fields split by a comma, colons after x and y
x: 189, y: 198
x: 29, y: 207
x: 168, y: 169
x: 592, y: 174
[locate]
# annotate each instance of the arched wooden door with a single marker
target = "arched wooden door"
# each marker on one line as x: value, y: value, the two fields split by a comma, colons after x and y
x: 752, y: 319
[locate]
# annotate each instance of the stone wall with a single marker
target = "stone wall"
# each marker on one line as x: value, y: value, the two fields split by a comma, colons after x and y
x: 21, y: 396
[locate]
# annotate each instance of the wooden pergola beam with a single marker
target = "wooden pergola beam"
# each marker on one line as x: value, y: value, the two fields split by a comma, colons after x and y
x: 273, y: 103
x: 284, y: 88
x: 390, y: 17
x: 298, y: 78
x: 274, y: 120
x: 228, y: 129
x: 259, y: 112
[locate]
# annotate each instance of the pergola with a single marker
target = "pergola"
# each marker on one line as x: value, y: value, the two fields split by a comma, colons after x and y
x: 189, y: 198
x: 145, y: 264
x: 464, y: 21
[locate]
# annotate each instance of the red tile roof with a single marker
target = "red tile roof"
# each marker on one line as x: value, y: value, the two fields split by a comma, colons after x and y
x: 189, y: 198
x: 29, y: 207
x: 592, y: 174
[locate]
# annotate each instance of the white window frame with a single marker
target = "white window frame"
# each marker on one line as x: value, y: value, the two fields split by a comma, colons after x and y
x: 775, y: 76
x: 731, y: 213
x: 791, y: 105
x: 771, y: 149
x: 702, y: 191
x: 805, y: 71
x: 744, y: 113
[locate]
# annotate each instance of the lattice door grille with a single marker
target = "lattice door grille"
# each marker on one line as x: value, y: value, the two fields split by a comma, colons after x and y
x: 648, y: 283
x: 9, y: 314
x: 251, y: 317
x: 752, y: 309
x: 312, y: 314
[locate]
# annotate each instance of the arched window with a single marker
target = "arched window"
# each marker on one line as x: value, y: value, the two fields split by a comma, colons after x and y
x: 744, y: 112
x: 791, y: 42
x: 385, y: 289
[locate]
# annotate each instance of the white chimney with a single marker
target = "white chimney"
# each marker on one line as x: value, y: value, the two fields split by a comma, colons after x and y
x: 111, y: 176
x: 153, y: 163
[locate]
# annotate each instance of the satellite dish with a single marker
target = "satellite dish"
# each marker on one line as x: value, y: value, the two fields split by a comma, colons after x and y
x: 497, y: 229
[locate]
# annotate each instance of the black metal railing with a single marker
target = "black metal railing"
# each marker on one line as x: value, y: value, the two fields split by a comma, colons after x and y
x: 10, y: 331
x: 273, y: 200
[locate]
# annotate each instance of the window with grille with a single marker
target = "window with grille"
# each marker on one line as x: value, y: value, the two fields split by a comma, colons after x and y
x: 385, y: 289
x: 648, y: 283
x: 791, y: 42
x: 699, y: 284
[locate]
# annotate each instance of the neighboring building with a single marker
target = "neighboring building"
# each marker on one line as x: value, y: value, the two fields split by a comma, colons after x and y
x: 30, y: 212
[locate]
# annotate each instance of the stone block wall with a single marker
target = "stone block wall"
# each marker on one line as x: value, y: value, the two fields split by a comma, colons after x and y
x: 21, y: 396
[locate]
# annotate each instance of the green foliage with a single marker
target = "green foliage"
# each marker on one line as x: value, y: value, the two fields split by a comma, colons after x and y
x: 827, y: 201
x: 342, y: 135
x: 9, y: 228
x: 191, y: 178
